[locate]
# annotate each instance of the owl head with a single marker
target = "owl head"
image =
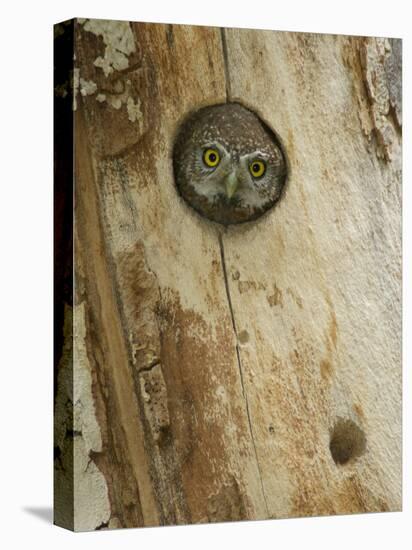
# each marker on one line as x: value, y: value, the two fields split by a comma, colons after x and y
x: 228, y: 165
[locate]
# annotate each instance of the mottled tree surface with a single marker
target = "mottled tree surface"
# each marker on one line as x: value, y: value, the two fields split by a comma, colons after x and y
x: 205, y: 373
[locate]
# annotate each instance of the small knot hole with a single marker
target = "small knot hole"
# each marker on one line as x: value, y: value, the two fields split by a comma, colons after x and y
x: 347, y: 441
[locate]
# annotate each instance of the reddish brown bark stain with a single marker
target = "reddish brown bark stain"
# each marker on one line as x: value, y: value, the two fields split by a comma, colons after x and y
x: 197, y: 364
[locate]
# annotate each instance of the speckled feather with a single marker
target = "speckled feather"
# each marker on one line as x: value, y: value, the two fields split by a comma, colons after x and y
x: 239, y: 133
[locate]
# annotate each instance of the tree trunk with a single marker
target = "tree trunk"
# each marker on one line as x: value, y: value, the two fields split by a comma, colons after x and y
x: 206, y: 373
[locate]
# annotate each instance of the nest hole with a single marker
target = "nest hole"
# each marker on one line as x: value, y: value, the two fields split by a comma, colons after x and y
x: 347, y: 441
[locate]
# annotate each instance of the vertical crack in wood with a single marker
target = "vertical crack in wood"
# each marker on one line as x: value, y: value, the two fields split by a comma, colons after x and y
x: 239, y: 362
x: 226, y: 64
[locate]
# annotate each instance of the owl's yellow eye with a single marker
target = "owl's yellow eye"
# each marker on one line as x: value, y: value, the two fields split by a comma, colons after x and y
x: 257, y: 168
x: 211, y: 157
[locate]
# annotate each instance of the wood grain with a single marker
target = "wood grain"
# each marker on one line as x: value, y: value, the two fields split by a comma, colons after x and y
x: 317, y: 285
x: 216, y: 366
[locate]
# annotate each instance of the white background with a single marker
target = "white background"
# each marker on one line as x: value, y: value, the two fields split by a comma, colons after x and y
x: 26, y: 272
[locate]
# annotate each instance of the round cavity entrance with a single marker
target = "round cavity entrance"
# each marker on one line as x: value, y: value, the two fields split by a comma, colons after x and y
x: 229, y: 166
x: 347, y: 441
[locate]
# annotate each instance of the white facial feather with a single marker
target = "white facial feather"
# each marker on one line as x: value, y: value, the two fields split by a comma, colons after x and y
x: 210, y: 182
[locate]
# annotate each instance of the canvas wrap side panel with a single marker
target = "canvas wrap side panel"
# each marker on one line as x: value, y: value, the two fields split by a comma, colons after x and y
x: 208, y: 374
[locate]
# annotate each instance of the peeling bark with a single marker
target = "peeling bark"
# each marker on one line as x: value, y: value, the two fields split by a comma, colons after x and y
x: 211, y: 374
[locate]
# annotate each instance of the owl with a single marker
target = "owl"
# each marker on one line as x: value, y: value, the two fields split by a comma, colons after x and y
x: 228, y: 165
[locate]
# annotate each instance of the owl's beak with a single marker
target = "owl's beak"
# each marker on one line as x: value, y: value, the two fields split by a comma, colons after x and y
x: 231, y: 183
